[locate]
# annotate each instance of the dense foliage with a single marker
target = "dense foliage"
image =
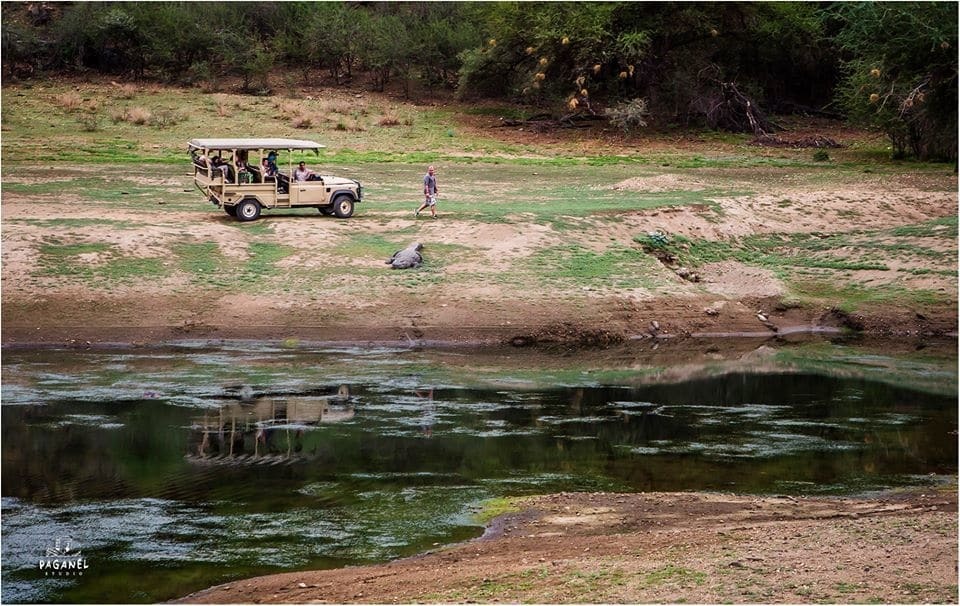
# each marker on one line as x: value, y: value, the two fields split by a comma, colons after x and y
x: 900, y: 73
x: 889, y: 65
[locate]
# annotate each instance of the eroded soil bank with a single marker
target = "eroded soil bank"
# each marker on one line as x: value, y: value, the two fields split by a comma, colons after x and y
x: 664, y: 548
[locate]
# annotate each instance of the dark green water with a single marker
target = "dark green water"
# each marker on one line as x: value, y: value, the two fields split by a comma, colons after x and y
x: 172, y: 470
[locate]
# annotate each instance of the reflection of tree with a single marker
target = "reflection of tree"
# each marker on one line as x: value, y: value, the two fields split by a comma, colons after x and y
x: 266, y: 429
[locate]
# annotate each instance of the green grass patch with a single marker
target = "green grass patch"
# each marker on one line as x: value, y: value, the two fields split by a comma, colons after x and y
x: 492, y: 508
x: 107, y: 265
x: 204, y: 263
x: 74, y: 223
x: 851, y: 297
x: 617, y: 267
x: 366, y: 245
x: 944, y: 227
x: 262, y: 262
x: 674, y: 575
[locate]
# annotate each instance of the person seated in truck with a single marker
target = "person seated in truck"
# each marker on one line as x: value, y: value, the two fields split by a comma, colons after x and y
x: 243, y: 171
x: 218, y: 164
x: 199, y: 159
x: 302, y: 173
x: 268, y: 168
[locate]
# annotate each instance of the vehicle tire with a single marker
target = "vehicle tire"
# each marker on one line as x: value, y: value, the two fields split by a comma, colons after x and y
x: 343, y: 207
x: 248, y: 210
x: 325, y: 210
x: 230, y: 210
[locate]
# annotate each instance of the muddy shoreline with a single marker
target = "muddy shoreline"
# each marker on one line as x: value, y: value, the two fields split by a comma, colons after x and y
x: 96, y: 332
x: 897, y: 547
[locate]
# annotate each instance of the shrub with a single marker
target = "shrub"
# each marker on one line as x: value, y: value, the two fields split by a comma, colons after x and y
x: 165, y: 118
x: 630, y: 115
x: 653, y: 240
x: 69, y: 101
x: 126, y: 91
x: 89, y: 123
x: 302, y: 121
x: 138, y: 116
x: 821, y: 155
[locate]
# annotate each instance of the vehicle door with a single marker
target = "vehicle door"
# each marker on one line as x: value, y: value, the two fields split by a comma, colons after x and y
x: 306, y: 193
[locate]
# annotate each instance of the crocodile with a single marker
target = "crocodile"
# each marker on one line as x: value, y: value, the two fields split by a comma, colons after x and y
x: 406, y: 258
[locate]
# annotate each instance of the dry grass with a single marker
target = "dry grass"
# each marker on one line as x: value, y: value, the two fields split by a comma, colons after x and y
x: 338, y: 107
x: 133, y: 115
x: 69, y: 101
x: 349, y: 125
x: 388, y: 120
x: 287, y: 109
x: 125, y: 91
x: 138, y: 115
x: 302, y: 121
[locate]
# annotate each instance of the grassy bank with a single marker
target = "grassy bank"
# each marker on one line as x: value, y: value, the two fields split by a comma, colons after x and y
x: 562, y: 217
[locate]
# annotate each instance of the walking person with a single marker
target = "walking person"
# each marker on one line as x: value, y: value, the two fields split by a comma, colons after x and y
x: 430, y: 192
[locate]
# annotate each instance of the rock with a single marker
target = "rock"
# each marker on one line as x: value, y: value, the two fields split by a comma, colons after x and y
x: 407, y: 258
x: 712, y: 311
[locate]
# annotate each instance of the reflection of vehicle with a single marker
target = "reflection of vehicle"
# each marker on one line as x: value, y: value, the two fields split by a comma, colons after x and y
x: 231, y: 174
x: 265, y: 430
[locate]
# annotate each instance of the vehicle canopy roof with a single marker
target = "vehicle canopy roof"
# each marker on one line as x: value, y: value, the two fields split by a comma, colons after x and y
x: 249, y: 144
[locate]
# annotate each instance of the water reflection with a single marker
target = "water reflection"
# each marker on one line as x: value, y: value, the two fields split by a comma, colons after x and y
x: 179, y: 470
x: 265, y: 430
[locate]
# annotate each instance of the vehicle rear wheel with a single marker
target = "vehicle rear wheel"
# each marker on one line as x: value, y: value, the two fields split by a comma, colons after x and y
x: 343, y: 207
x: 248, y: 210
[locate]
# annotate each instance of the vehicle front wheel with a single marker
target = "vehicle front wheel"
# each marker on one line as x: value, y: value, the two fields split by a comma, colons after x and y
x: 325, y: 210
x: 248, y: 210
x: 343, y: 207
x: 230, y: 210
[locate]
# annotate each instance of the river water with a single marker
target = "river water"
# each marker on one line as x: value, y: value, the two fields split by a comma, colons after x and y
x: 167, y: 470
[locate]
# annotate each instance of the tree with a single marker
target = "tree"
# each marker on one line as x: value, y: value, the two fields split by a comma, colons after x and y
x: 614, y: 51
x: 900, y: 73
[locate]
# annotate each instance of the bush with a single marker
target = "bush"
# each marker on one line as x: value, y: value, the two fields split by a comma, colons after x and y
x: 630, y: 115
x: 89, y: 123
x: 821, y: 155
x: 69, y: 101
x: 165, y: 118
x: 302, y: 121
x: 137, y: 115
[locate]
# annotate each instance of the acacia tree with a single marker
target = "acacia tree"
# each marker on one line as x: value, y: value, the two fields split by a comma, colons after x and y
x: 572, y: 53
x: 900, y: 73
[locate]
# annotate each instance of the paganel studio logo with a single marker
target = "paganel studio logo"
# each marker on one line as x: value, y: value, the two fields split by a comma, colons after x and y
x: 64, y: 559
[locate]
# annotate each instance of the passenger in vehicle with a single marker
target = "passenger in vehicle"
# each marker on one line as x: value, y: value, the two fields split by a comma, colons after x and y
x: 270, y: 165
x: 219, y: 165
x: 302, y: 173
x: 243, y: 170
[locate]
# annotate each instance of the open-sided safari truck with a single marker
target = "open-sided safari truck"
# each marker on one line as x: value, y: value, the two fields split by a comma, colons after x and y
x: 245, y: 176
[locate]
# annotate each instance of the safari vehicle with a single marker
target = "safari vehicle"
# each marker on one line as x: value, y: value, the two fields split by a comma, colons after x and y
x: 233, y: 174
